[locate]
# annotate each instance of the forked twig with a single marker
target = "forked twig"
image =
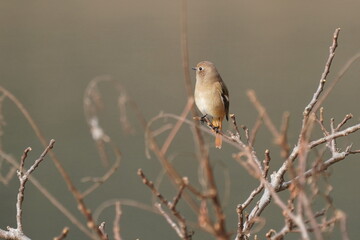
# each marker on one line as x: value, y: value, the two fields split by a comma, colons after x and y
x: 181, y: 227
x: 324, y: 75
x: 17, y: 233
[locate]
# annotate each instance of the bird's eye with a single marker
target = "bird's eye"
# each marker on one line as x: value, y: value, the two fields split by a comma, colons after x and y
x: 201, y: 68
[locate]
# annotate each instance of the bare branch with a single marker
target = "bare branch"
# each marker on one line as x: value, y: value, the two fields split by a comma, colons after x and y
x: 262, y: 112
x: 176, y: 128
x: 150, y: 184
x: 324, y: 75
x: 239, y: 211
x: 63, y: 234
x: 82, y: 207
x: 342, y: 219
x: 334, y: 159
x: 233, y: 119
x: 23, y: 157
x: 102, y: 230
x: 50, y: 197
x: 181, y: 230
x: 97, y: 182
x: 330, y: 137
x: 282, y: 141
x: 170, y: 221
x: 342, y: 123
x: 23, y: 178
x: 339, y: 76
x: 123, y: 202
x: 116, y: 225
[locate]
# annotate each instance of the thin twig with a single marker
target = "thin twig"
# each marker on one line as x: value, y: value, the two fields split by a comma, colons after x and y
x: 50, y: 197
x: 170, y: 221
x: 177, y: 126
x: 262, y: 112
x: 334, y: 159
x: 324, y: 75
x: 63, y: 234
x: 23, y: 178
x: 71, y: 186
x: 254, y: 130
x: 102, y: 230
x: 330, y: 137
x: 239, y: 211
x: 123, y: 202
x: 182, y: 228
x: 342, y: 123
x: 339, y: 76
x: 97, y: 182
x: 342, y: 219
x: 116, y: 225
x: 283, y: 140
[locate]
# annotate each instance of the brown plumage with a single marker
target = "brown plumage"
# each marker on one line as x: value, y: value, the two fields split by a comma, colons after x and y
x: 211, y: 96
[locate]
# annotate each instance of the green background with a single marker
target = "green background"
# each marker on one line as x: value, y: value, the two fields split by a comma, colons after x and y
x: 50, y: 51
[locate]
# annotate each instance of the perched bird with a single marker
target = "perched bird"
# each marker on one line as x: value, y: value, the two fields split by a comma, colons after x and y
x: 211, y: 96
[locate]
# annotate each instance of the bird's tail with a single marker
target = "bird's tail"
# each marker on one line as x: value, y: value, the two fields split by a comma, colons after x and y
x: 217, y: 123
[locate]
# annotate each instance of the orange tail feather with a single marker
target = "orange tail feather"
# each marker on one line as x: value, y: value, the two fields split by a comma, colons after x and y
x: 218, y: 140
x: 218, y: 137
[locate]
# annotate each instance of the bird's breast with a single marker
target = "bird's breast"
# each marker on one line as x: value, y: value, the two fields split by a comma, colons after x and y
x: 208, y: 101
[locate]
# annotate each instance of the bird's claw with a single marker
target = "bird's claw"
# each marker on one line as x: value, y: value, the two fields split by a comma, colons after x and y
x: 203, y: 119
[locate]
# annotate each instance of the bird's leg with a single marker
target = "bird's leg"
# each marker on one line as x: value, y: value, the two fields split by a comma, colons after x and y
x: 203, y: 119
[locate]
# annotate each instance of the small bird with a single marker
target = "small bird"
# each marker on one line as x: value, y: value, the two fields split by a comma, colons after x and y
x: 211, y: 96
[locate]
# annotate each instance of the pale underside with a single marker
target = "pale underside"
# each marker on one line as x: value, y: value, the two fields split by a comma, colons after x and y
x: 210, y: 102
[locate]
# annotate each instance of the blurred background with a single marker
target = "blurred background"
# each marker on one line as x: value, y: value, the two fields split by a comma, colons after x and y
x: 51, y: 50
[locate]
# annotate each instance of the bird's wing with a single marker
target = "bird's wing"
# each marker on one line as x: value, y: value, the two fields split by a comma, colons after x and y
x: 224, y: 97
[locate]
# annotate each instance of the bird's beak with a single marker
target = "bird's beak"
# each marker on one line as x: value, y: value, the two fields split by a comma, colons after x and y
x: 194, y: 68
